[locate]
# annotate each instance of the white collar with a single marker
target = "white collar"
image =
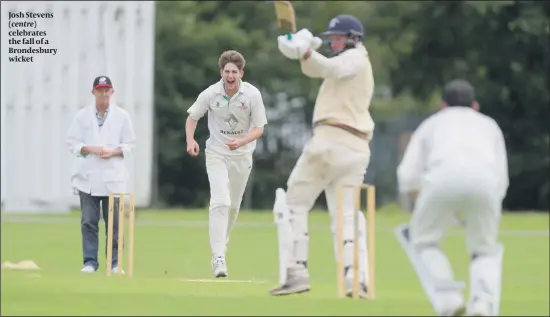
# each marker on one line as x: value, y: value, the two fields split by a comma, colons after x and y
x: 222, y: 91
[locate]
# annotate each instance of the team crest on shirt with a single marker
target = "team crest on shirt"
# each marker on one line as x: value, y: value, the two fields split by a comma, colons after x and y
x: 243, y: 105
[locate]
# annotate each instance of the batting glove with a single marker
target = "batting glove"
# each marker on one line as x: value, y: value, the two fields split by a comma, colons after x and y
x: 306, y: 35
x: 294, y: 48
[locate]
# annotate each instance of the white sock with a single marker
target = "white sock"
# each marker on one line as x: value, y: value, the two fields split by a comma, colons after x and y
x: 218, y: 218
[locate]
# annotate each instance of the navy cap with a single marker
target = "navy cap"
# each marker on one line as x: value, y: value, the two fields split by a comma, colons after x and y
x: 102, y: 81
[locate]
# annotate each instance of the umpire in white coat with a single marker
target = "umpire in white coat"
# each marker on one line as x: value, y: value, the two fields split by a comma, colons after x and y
x: 101, y: 137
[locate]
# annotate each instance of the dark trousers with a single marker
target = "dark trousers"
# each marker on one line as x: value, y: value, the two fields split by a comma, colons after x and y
x: 89, y: 225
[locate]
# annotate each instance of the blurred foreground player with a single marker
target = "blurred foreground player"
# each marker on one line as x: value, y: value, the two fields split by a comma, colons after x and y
x: 456, y: 162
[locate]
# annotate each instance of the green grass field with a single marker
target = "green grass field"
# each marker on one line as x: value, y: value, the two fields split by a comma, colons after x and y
x: 172, y: 247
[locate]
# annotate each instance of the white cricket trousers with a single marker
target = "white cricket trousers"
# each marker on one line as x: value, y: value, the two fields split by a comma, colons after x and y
x: 228, y: 176
x: 452, y: 188
x: 323, y: 166
x: 448, y: 189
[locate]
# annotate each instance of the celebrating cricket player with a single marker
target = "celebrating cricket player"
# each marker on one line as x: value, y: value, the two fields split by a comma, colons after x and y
x: 337, y: 153
x: 236, y: 119
x: 456, y: 162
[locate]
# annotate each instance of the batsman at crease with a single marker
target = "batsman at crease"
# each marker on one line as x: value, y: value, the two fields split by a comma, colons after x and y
x: 337, y: 153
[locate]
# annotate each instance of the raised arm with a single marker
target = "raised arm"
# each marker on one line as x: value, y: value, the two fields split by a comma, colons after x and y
x: 349, y: 63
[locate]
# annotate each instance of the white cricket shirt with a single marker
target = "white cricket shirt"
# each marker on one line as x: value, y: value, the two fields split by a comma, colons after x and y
x: 345, y: 95
x: 230, y: 118
x: 457, y: 136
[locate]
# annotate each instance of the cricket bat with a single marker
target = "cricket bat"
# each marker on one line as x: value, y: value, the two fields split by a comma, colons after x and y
x: 286, y: 18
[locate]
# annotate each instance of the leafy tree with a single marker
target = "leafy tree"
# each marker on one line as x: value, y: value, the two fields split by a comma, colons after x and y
x: 415, y: 47
x: 502, y: 48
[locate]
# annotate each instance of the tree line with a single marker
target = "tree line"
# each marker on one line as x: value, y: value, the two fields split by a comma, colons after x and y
x: 415, y: 47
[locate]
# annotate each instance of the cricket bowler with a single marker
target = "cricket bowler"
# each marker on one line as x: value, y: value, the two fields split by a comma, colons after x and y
x: 337, y: 153
x: 456, y: 163
x: 236, y: 119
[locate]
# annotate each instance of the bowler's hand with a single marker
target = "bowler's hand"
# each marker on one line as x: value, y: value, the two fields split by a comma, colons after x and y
x: 193, y: 148
x: 235, y: 144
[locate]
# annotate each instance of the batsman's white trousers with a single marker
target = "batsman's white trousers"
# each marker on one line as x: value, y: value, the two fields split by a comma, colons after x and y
x: 324, y: 165
x: 228, y: 176
x: 449, y: 189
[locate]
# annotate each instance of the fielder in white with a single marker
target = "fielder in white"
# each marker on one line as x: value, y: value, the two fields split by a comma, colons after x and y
x: 236, y: 119
x: 337, y: 153
x: 456, y: 162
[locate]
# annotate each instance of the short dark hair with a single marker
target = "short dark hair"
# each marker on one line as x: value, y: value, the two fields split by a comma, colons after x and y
x: 459, y: 92
x: 232, y: 57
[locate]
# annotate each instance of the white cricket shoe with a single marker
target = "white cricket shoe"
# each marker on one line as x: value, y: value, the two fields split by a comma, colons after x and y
x: 88, y: 269
x: 297, y: 282
x: 451, y: 304
x: 348, y: 282
x: 479, y: 307
x: 115, y: 270
x: 219, y: 268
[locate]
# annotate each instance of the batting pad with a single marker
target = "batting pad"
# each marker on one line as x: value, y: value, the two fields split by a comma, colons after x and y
x: 281, y: 215
x: 486, y: 278
x: 426, y: 280
x: 497, y: 294
x: 363, y: 251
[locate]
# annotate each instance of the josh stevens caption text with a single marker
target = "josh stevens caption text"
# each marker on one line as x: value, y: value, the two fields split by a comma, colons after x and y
x: 26, y: 40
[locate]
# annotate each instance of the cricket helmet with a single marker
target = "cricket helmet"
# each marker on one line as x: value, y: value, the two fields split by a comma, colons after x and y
x: 345, y: 24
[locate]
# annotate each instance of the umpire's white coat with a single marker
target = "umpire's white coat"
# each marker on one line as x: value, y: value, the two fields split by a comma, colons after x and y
x: 91, y: 174
x: 457, y: 160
